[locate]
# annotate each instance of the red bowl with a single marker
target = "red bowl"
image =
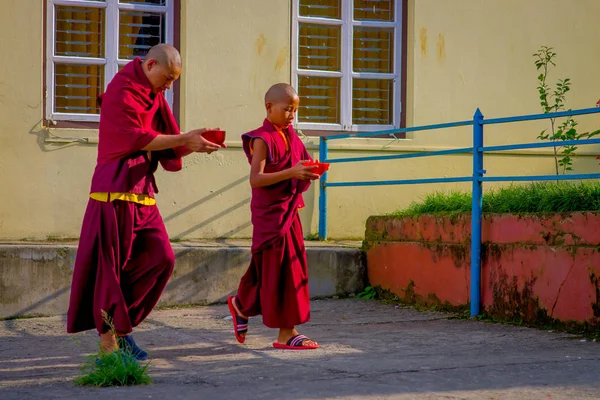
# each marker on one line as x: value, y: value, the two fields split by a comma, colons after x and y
x: 320, y: 167
x: 217, y: 137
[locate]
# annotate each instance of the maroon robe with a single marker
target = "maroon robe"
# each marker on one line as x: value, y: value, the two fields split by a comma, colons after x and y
x: 124, y: 258
x: 276, y: 282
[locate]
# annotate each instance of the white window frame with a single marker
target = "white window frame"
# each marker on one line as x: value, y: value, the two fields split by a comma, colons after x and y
x: 111, y: 61
x: 347, y: 24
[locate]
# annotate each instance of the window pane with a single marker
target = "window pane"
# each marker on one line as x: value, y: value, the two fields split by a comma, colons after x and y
x: 138, y: 31
x: 151, y: 2
x: 319, y: 100
x: 319, y: 47
x: 79, y: 31
x: 320, y: 8
x: 373, y: 50
x: 77, y: 87
x: 372, y: 102
x: 374, y: 10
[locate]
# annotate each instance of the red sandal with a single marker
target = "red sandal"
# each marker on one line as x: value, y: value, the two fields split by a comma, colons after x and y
x: 240, y: 325
x: 296, y: 343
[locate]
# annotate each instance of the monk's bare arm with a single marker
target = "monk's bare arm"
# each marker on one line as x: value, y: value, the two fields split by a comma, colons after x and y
x: 163, y: 142
x: 193, y: 140
x: 258, y: 176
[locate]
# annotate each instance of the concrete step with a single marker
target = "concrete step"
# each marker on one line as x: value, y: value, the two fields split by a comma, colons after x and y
x: 35, y: 278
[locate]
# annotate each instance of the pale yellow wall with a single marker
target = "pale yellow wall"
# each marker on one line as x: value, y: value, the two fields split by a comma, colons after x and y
x: 478, y: 53
x: 234, y: 50
x: 42, y: 187
x: 464, y: 54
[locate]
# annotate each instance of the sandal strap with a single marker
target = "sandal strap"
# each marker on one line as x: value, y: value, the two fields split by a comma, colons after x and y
x: 297, y: 341
x: 242, y: 324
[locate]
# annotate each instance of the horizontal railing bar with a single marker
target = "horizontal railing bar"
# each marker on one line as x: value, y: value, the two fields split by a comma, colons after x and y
x: 401, y: 182
x: 539, y: 178
x: 400, y: 156
x: 533, y: 117
x: 401, y: 130
x: 538, y: 145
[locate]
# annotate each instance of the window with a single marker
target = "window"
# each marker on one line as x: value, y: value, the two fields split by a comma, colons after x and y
x: 89, y: 41
x: 347, y: 60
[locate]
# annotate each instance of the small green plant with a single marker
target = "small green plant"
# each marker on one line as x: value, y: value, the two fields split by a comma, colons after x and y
x: 312, y: 237
x: 368, y: 294
x: 118, y: 368
x: 553, y: 100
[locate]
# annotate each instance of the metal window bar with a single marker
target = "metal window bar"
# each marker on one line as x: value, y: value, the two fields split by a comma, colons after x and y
x: 478, y: 177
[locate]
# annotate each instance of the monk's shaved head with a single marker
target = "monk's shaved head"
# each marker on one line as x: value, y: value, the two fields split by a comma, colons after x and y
x: 280, y: 92
x: 162, y: 66
x: 165, y: 55
x: 281, y: 102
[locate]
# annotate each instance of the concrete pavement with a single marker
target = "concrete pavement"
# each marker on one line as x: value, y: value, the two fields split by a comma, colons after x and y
x: 370, y: 351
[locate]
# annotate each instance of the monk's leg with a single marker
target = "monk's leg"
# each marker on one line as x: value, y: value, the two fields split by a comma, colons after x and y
x: 247, y: 301
x: 106, y: 232
x: 80, y: 316
x: 150, y: 265
x: 108, y: 342
x: 145, y: 273
x: 285, y: 293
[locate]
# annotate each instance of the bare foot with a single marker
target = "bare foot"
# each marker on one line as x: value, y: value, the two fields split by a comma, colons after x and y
x: 286, y: 334
x: 108, y: 342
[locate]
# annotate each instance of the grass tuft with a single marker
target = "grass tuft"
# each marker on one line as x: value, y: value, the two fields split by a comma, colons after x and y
x: 535, y: 198
x: 119, y: 368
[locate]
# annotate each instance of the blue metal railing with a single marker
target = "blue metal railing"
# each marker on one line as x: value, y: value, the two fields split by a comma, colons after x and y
x: 477, y: 178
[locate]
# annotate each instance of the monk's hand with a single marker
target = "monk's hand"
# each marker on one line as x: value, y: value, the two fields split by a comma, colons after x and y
x: 196, y: 142
x: 303, y: 172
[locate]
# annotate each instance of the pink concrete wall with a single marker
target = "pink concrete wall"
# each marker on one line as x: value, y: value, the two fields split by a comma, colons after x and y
x: 533, y: 267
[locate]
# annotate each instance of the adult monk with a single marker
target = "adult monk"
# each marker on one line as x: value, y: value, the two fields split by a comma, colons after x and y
x: 124, y: 258
x: 276, y: 282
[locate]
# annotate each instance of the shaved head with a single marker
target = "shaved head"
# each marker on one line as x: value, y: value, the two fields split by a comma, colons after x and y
x: 280, y: 92
x: 165, y: 55
x: 162, y: 66
x: 281, y: 102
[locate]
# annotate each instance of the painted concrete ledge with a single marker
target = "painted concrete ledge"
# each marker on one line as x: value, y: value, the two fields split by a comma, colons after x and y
x: 535, y: 268
x: 35, y: 277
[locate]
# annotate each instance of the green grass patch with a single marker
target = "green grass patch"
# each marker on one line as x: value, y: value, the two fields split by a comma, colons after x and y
x: 535, y: 198
x: 119, y: 368
x: 312, y: 237
x: 369, y: 293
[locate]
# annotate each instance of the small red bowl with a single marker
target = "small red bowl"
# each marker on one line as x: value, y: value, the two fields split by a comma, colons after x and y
x: 217, y: 137
x: 321, y: 167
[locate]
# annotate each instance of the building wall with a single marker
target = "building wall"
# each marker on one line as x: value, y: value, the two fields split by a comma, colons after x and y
x: 461, y: 55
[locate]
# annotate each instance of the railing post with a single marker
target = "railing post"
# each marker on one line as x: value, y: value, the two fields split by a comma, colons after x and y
x: 323, y: 155
x: 476, y: 213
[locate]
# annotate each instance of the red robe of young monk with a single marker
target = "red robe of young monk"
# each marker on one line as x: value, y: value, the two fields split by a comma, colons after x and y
x: 124, y: 258
x: 276, y: 282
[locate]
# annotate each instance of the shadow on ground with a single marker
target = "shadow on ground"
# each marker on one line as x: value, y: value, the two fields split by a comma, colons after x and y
x: 370, y: 350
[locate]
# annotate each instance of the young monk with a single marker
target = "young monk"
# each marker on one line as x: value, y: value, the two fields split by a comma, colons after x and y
x: 124, y: 258
x: 276, y: 282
